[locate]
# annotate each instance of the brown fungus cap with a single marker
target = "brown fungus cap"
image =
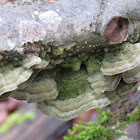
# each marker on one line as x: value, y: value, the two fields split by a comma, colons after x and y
x: 116, y: 30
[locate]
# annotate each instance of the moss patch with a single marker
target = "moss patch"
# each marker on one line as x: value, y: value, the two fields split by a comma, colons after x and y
x: 70, y: 84
x: 94, y: 130
x: 92, y: 65
x: 74, y: 63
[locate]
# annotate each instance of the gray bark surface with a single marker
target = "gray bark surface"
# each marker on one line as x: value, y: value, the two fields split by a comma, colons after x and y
x: 66, y: 21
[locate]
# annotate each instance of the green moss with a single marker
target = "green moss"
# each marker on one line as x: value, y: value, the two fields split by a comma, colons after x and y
x: 43, y: 53
x: 95, y: 130
x: 73, y: 62
x: 102, y: 129
x: 70, y: 83
x: 134, y: 116
x: 58, y: 51
x: 104, y: 117
x: 15, y: 63
x: 83, y: 56
x: 92, y: 65
x: 134, y: 38
x: 47, y: 73
x: 16, y: 118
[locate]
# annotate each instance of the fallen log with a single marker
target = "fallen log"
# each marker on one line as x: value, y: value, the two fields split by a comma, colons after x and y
x: 91, y: 21
x: 83, y: 50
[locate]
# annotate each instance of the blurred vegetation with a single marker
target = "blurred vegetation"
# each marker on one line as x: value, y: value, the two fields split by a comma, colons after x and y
x: 16, y: 118
x: 101, y: 130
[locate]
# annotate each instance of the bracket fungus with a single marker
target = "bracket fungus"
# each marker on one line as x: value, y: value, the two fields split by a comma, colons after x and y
x: 37, y: 90
x: 70, y: 56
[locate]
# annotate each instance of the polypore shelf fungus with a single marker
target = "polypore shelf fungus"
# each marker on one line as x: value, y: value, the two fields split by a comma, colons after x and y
x: 70, y: 56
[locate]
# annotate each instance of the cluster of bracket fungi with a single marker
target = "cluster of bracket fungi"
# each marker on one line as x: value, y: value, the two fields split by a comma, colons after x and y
x: 65, y: 84
x: 65, y: 91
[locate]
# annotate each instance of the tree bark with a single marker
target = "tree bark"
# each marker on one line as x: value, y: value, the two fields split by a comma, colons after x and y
x: 86, y: 22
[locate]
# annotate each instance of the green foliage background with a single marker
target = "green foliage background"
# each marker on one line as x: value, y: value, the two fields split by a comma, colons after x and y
x: 100, y: 130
